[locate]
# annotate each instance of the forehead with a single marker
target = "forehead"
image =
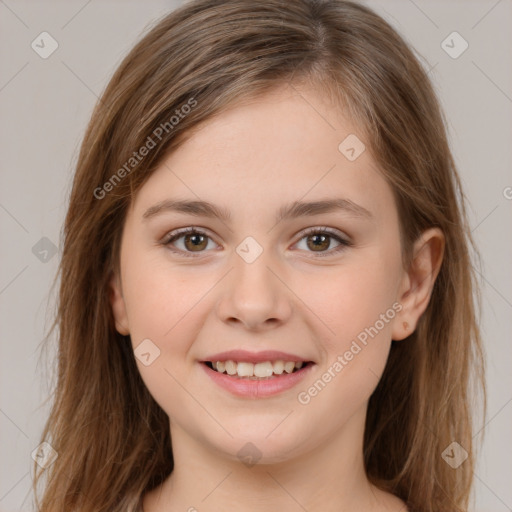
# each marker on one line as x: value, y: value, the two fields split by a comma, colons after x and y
x: 283, y: 146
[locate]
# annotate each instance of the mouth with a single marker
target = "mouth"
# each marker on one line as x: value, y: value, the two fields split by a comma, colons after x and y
x: 256, y: 375
x: 264, y: 370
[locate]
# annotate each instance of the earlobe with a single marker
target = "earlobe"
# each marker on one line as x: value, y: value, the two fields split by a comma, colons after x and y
x: 418, y: 281
x: 118, y: 305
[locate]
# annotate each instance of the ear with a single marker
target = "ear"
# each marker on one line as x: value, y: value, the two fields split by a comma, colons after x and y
x: 418, y: 281
x: 118, y: 306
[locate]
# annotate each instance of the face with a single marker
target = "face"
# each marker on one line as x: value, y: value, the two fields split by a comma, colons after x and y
x: 264, y: 285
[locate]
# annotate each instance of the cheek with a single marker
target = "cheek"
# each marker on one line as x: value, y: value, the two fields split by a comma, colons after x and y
x: 162, y: 307
x: 360, y: 312
x: 158, y: 306
x: 357, y: 306
x: 161, y: 299
x: 353, y: 299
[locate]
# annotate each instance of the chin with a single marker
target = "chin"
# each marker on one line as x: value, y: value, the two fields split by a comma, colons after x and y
x: 263, y: 443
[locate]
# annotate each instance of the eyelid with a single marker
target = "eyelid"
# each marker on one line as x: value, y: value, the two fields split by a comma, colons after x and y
x: 331, y: 231
x: 184, y: 231
x: 179, y: 232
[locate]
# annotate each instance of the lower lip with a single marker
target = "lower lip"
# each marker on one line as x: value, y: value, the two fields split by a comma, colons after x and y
x: 248, y: 388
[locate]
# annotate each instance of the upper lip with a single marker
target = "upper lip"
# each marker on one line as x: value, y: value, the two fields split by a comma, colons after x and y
x: 254, y: 357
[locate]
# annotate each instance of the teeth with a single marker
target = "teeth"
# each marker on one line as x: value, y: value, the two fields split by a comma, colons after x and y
x: 258, y: 370
x: 245, y: 370
x: 289, y: 366
x: 278, y: 367
x: 263, y: 369
x: 230, y: 367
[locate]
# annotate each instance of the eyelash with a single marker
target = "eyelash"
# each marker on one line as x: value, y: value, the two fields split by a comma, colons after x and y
x: 173, y: 236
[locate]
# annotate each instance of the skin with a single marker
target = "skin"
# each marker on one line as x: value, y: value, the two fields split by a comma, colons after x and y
x: 252, y: 159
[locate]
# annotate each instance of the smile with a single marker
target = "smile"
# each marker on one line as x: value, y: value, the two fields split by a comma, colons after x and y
x: 256, y: 375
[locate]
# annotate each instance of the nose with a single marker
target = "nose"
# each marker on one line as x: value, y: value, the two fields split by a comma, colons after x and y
x: 255, y: 295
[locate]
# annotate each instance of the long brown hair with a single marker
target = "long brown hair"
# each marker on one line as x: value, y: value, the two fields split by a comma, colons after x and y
x: 112, y: 438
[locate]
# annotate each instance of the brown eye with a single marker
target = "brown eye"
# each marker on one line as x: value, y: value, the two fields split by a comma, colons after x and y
x: 195, y: 242
x: 318, y: 242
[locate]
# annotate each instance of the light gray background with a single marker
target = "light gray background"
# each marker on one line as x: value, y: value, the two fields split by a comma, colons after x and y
x: 45, y: 105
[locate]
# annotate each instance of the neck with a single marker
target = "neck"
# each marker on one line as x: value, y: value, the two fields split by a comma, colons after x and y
x: 329, y: 477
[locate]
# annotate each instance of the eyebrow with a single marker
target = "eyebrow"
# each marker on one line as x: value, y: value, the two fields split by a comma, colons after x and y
x: 292, y: 210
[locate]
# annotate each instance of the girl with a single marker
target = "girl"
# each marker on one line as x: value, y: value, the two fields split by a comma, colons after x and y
x: 266, y: 293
